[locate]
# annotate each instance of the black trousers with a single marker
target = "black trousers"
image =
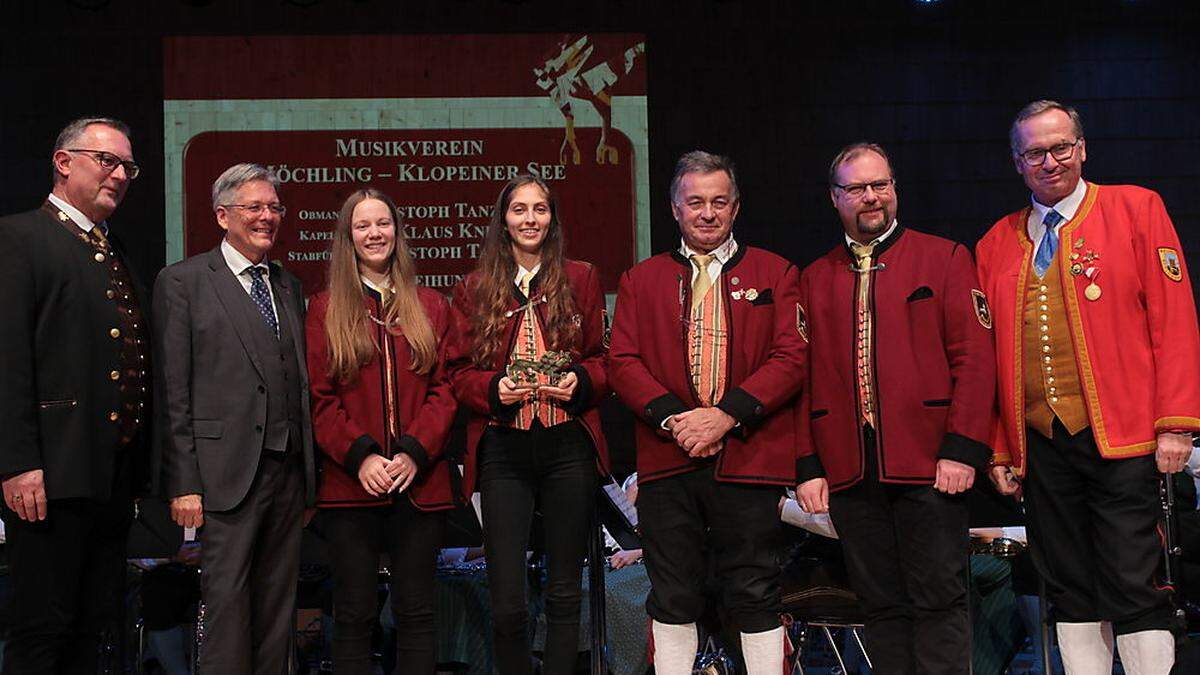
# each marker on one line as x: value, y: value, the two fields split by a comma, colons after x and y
x: 250, y: 562
x: 694, y: 526
x: 411, y: 539
x: 67, y: 575
x: 905, y: 548
x: 553, y: 469
x: 1093, y: 531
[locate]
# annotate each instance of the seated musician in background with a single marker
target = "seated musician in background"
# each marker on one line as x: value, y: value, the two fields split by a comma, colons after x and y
x: 382, y: 411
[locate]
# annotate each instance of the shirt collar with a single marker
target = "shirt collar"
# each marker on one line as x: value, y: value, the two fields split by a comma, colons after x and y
x: 722, y: 253
x: 878, y: 240
x: 522, y: 271
x: 239, y: 263
x: 82, y: 221
x: 1066, y: 207
x: 382, y: 289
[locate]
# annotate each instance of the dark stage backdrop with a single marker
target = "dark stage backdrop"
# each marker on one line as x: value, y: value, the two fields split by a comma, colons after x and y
x: 777, y: 85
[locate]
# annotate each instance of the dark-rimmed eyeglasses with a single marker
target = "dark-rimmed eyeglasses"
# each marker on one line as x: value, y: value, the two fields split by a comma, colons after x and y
x: 1061, y: 153
x: 109, y: 162
x: 257, y: 209
x: 858, y: 190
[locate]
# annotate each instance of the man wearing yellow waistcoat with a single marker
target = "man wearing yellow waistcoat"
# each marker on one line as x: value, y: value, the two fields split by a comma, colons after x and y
x: 1097, y: 354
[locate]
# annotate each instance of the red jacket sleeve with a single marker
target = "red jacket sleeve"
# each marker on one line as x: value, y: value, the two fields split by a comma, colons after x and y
x: 971, y: 355
x: 591, y: 366
x: 627, y: 372
x: 333, y: 429
x: 808, y: 464
x: 472, y: 384
x: 1171, y: 314
x: 998, y: 435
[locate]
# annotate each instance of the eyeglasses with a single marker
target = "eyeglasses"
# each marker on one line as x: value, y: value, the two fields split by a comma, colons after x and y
x: 1061, y: 152
x: 109, y: 161
x: 257, y: 209
x: 859, y: 190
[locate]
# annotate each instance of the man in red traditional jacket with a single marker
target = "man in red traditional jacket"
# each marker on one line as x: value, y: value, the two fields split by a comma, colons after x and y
x: 896, y: 416
x: 707, y: 349
x: 1097, y: 352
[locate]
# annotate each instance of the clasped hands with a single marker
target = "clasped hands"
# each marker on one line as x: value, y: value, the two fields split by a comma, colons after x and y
x: 511, y: 392
x: 701, y: 431
x: 380, y: 476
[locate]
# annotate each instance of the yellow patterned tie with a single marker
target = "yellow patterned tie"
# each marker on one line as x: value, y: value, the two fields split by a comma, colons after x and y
x: 523, y: 283
x: 702, y: 282
x: 862, y: 255
x: 864, y: 347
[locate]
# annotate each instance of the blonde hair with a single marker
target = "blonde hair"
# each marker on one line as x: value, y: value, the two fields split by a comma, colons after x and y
x: 351, y: 342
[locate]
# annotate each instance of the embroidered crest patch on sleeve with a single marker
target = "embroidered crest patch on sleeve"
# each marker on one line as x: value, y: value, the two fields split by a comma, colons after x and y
x: 1169, y: 258
x: 982, y: 311
x: 801, y: 322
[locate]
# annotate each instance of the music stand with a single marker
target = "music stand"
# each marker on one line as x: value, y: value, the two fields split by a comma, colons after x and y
x: 614, y: 512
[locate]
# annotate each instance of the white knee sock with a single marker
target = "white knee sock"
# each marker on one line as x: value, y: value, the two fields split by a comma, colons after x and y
x: 1086, y: 648
x: 675, y: 648
x: 1147, y: 652
x: 763, y: 652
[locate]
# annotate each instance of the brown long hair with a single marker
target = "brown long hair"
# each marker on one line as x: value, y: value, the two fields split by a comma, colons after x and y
x: 351, y: 341
x: 497, y: 267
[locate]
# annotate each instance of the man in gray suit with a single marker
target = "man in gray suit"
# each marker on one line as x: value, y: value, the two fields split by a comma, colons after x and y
x: 233, y: 424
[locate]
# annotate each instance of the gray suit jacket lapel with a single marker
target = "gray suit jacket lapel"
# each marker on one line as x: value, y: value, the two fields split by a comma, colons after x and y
x: 286, y: 305
x: 233, y: 299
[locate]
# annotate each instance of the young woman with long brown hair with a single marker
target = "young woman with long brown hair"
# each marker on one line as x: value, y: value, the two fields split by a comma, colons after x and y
x: 531, y: 443
x: 382, y: 410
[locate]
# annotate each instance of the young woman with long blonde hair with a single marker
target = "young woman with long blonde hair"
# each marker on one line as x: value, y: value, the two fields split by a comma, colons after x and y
x: 382, y: 410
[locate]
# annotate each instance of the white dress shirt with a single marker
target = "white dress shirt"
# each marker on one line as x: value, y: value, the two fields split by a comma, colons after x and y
x: 720, y: 254
x: 76, y: 215
x: 877, y: 240
x: 521, y: 271
x: 1066, y: 207
x: 238, y: 264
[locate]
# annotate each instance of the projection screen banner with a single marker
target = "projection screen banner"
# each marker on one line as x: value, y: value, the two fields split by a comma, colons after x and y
x: 439, y: 123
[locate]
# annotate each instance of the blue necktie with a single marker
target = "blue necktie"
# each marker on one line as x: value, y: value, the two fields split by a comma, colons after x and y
x: 1049, y: 244
x: 262, y: 299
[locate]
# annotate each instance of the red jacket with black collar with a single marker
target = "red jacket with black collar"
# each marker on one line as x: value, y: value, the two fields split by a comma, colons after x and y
x: 349, y: 419
x: 1137, y: 346
x: 648, y: 365
x: 477, y: 387
x: 934, y: 366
